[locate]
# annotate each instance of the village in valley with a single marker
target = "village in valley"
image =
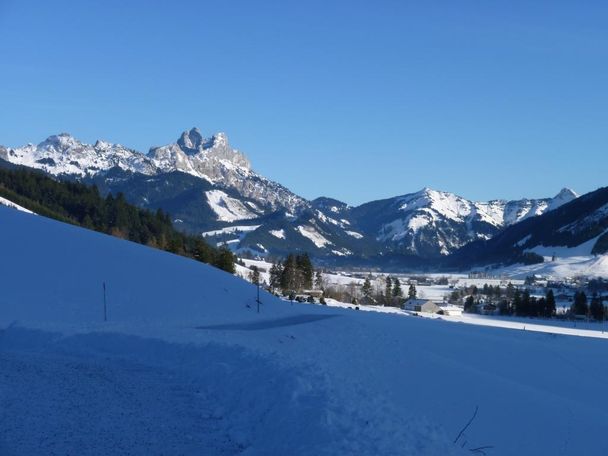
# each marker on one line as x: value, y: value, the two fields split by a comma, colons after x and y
x: 476, y: 297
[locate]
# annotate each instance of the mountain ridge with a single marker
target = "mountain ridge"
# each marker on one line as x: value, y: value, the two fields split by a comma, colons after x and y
x: 208, y: 185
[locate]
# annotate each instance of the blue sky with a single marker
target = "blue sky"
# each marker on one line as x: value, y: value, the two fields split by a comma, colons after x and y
x: 356, y: 100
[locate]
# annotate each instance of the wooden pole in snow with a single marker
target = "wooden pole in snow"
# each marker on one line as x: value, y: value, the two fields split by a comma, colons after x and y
x: 258, y: 298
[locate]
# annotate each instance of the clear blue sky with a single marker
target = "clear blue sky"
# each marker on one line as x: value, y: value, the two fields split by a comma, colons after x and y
x: 357, y: 100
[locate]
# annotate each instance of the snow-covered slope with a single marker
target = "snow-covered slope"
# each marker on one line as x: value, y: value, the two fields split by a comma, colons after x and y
x: 432, y: 223
x: 8, y: 203
x: 578, y: 228
x: 185, y: 365
x: 565, y: 264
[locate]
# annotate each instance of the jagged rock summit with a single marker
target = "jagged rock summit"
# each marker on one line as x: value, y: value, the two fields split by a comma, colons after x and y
x: 209, y: 158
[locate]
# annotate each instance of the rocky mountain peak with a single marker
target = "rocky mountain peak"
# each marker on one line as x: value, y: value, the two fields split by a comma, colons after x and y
x: 60, y: 141
x: 566, y: 193
x: 191, y: 141
x: 564, y: 196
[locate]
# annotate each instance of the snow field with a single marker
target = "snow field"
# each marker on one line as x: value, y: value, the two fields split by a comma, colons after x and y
x: 293, y: 379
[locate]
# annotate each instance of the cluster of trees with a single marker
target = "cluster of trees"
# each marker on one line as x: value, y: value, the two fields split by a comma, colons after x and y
x: 529, y: 306
x: 82, y: 205
x: 489, y: 292
x: 510, y: 301
x: 294, y: 275
x: 594, y: 309
x: 391, y: 295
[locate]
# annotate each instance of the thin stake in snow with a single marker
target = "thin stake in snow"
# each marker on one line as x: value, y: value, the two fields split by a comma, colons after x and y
x: 105, y: 307
x: 258, y: 298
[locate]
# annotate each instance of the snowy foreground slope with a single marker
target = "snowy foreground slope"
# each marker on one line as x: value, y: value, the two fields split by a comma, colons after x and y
x: 183, y: 366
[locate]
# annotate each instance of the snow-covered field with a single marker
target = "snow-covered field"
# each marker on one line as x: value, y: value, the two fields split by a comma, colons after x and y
x: 185, y: 365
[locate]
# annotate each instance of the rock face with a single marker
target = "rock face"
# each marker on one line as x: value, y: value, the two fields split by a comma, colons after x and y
x: 214, y: 160
x: 208, y: 185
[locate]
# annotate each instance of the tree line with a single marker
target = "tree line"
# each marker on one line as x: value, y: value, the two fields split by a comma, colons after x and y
x: 513, y: 301
x: 83, y: 205
x: 296, y: 275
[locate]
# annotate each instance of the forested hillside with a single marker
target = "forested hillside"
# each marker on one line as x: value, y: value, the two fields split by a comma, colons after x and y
x: 83, y: 205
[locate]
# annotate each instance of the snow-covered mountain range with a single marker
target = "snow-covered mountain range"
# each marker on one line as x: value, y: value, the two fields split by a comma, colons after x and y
x: 575, y: 229
x: 434, y: 223
x: 211, y: 159
x: 210, y: 187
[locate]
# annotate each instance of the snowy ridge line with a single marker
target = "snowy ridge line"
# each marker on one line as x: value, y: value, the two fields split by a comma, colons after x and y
x: 427, y: 223
x: 211, y: 159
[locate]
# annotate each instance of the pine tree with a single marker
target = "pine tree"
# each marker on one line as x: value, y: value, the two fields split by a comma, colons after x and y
x: 516, y: 302
x: 397, y: 292
x: 254, y: 275
x: 388, y: 291
x: 276, y: 272
x: 288, y: 277
x: 201, y: 251
x: 524, y: 307
x: 319, y: 282
x: 549, y: 304
x: 469, y: 304
x: 596, y: 308
x: 411, y: 293
x: 510, y: 291
x: 579, y: 306
x: 504, y: 308
x: 225, y: 260
x: 306, y: 271
x: 366, y: 289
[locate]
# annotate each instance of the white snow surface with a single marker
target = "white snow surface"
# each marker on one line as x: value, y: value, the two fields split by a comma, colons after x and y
x: 185, y: 365
x: 354, y: 234
x: 8, y: 203
x: 583, y: 249
x: 231, y: 230
x: 278, y: 233
x: 228, y: 209
x: 562, y: 267
x: 311, y: 233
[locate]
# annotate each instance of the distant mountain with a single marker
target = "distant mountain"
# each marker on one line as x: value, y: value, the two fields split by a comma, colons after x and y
x: 209, y: 187
x: 64, y: 155
x: 579, y: 227
x: 210, y: 159
x: 431, y: 223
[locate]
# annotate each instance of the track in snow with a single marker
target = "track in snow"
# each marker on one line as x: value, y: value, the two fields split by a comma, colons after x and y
x: 268, y: 324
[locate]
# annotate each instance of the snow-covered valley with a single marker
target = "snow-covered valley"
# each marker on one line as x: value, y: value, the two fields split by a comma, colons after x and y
x: 186, y: 365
